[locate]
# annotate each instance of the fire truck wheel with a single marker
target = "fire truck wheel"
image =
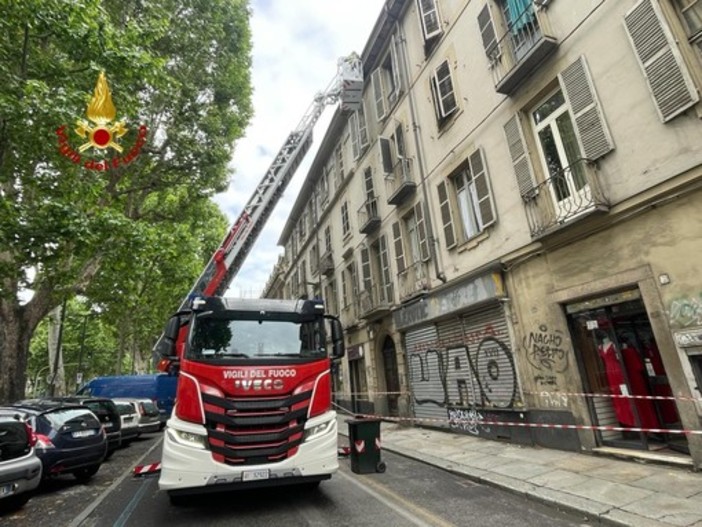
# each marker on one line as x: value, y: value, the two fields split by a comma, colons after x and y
x: 178, y: 500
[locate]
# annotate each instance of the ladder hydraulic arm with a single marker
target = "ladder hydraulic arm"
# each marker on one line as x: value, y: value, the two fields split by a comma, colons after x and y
x: 346, y: 88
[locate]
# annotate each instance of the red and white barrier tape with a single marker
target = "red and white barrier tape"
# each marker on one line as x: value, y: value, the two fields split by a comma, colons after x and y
x: 491, y: 422
x: 144, y: 470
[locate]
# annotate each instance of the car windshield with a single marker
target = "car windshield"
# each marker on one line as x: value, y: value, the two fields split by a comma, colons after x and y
x: 149, y: 408
x: 124, y: 408
x: 67, y: 416
x: 220, y: 338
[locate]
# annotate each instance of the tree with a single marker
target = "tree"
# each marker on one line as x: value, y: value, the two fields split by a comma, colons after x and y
x: 181, y: 69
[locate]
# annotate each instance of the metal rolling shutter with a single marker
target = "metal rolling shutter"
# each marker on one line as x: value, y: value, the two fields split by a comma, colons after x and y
x: 425, y: 375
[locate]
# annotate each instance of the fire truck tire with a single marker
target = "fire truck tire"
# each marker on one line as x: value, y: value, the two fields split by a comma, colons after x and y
x: 310, y: 486
x: 178, y: 500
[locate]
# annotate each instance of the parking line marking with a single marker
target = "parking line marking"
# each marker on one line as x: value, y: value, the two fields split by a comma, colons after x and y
x: 90, y: 508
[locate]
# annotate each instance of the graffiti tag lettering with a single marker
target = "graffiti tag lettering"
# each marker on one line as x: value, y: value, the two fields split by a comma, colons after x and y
x: 544, y: 350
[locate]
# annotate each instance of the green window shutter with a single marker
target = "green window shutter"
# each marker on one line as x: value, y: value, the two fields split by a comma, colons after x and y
x: 519, y: 156
x: 446, y: 219
x: 399, y: 251
x: 378, y: 93
x: 671, y: 87
x: 481, y: 180
x: 386, y: 160
x: 365, y: 269
x: 590, y: 125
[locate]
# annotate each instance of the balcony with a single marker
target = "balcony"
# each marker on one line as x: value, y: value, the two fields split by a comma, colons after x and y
x: 413, y: 281
x: 368, y: 217
x: 569, y: 194
x: 527, y: 42
x: 326, y: 264
x: 376, y: 302
x: 400, y: 184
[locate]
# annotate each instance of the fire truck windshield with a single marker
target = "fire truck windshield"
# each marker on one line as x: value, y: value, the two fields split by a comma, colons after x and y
x: 219, y: 339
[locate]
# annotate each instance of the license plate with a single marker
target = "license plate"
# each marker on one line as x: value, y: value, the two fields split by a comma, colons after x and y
x: 6, y: 490
x: 255, y: 475
x: 83, y: 433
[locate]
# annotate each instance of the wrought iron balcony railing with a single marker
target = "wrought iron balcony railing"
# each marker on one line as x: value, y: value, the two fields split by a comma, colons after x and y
x: 413, y: 280
x: 527, y: 42
x: 368, y: 217
x: 568, y: 194
x: 400, y: 184
x: 376, y: 301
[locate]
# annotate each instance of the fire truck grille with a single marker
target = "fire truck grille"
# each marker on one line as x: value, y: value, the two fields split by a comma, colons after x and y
x: 254, y: 431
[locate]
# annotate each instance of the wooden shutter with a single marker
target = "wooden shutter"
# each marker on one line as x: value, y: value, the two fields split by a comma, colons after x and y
x: 385, y: 155
x: 378, y: 93
x: 481, y: 182
x: 399, y: 251
x: 429, y: 16
x: 590, y: 125
x: 421, y: 231
x: 385, y: 269
x: 446, y: 220
x: 487, y: 31
x: 443, y: 86
x: 365, y: 268
x: 396, y: 79
x: 353, y: 126
x: 670, y: 84
x: 519, y: 156
x: 362, y: 128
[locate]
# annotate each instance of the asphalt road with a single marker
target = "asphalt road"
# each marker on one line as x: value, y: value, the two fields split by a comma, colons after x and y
x: 409, y: 493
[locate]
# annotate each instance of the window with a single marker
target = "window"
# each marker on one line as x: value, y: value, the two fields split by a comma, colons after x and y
x: 560, y: 154
x: 416, y: 235
x: 691, y: 11
x: 443, y: 93
x: 656, y: 49
x: 302, y: 228
x: 323, y: 187
x: 349, y: 285
x: 331, y: 299
x: 386, y: 82
x: 345, y: 224
x: 314, y: 258
x: 466, y: 196
x: 358, y: 132
x: 430, y: 22
x: 377, y: 277
x: 392, y: 150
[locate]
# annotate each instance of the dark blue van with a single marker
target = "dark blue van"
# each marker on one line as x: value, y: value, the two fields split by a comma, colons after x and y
x: 159, y: 387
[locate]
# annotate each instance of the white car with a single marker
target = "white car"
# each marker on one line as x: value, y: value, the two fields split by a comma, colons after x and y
x: 20, y: 468
x: 130, y: 420
x: 148, y: 416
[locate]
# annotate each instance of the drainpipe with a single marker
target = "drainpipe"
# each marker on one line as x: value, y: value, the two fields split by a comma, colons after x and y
x: 433, y: 240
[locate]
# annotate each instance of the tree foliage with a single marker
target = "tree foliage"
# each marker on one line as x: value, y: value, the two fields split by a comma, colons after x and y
x: 179, y: 67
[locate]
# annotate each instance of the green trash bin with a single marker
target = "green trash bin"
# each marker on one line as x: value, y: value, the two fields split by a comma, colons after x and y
x: 364, y: 444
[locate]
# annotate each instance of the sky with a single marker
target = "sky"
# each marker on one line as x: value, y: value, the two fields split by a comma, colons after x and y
x: 296, y: 45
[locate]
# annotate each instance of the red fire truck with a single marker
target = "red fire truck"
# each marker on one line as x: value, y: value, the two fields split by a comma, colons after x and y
x: 253, y: 403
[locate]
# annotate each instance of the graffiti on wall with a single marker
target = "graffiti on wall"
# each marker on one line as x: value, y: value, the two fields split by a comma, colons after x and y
x: 686, y: 311
x: 544, y: 350
x: 468, y: 420
x: 465, y: 374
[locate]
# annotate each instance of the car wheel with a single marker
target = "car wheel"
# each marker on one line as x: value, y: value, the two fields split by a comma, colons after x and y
x: 14, y: 502
x: 84, y: 474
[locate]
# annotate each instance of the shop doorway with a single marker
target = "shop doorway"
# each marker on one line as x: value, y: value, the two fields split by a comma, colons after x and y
x: 392, y: 375
x: 620, y: 361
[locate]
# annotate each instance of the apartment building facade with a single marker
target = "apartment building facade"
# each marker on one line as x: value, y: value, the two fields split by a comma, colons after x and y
x: 510, y: 227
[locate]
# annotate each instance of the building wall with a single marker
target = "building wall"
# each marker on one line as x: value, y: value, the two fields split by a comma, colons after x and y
x: 640, y: 219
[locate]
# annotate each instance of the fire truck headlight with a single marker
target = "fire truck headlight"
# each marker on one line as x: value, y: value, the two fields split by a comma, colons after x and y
x: 188, y: 438
x: 318, y: 430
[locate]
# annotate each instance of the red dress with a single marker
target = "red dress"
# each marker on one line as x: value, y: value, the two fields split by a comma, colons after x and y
x: 617, y: 381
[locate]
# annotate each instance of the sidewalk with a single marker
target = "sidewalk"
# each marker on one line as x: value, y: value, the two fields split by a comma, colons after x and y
x: 618, y: 492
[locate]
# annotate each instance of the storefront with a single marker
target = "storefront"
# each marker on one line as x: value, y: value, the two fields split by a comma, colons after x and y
x: 623, y: 374
x: 459, y: 358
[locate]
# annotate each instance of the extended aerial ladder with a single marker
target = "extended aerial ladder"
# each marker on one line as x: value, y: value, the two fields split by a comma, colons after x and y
x: 345, y: 88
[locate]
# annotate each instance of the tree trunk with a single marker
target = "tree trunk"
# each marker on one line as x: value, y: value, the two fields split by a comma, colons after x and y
x: 15, y: 335
x: 57, y: 374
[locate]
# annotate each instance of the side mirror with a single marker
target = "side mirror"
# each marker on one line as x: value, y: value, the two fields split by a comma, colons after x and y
x: 337, y: 336
x: 166, y: 346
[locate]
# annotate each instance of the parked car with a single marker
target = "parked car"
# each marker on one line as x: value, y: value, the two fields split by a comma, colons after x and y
x: 159, y: 388
x: 148, y: 414
x: 130, y: 420
x: 20, y: 468
x: 70, y: 438
x: 106, y: 411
